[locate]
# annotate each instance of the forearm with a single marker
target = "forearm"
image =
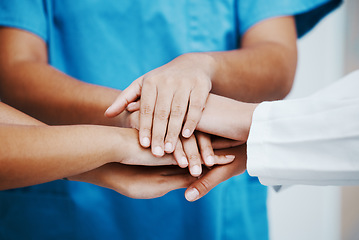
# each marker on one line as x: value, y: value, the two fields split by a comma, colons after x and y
x: 33, y: 153
x: 53, y: 97
x: 36, y: 154
x: 9, y: 115
x: 254, y: 74
x: 227, y: 118
x: 263, y: 68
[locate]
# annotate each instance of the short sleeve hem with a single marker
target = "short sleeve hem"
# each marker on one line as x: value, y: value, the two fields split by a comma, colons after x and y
x: 11, y: 24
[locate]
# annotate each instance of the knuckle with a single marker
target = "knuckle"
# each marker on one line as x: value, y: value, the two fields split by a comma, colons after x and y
x: 193, y: 157
x: 150, y: 79
x: 156, y: 138
x: 177, y: 111
x: 167, y: 81
x: 204, y: 185
x: 146, y: 109
x: 206, y: 149
x: 171, y: 135
x: 161, y: 114
x: 191, y: 123
x: 196, y: 105
x: 145, y: 130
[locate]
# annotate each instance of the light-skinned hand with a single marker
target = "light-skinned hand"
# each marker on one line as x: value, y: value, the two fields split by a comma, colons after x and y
x: 218, y: 174
x: 189, y: 152
x: 172, y: 96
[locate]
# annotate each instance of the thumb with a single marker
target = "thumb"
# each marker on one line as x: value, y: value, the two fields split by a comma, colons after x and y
x: 206, y: 183
x: 130, y: 94
x: 134, y: 106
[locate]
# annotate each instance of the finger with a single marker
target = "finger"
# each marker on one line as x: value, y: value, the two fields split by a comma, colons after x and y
x: 148, y: 100
x: 205, y: 146
x: 180, y: 156
x: 223, y: 159
x: 193, y: 156
x: 197, y: 102
x: 178, y: 111
x: 134, y: 106
x: 218, y: 174
x: 160, y: 120
x: 134, y: 120
x: 221, y: 143
x: 207, y: 182
x: 130, y: 94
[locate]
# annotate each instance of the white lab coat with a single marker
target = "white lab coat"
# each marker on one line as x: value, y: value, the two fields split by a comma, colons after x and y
x: 314, y: 140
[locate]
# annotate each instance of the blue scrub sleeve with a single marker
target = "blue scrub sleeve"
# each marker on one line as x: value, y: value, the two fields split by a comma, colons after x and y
x: 307, y: 12
x: 24, y: 14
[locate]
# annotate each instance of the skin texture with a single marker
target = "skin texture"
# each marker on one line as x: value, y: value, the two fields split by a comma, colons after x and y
x: 28, y: 83
x: 198, y: 148
x: 33, y: 153
x: 174, y: 95
x: 218, y: 174
x: 263, y: 69
x: 138, y: 181
x: 232, y: 120
x: 229, y: 119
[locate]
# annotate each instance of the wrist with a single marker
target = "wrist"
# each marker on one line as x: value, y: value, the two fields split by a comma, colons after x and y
x: 244, y: 114
x: 206, y: 60
x: 123, y: 141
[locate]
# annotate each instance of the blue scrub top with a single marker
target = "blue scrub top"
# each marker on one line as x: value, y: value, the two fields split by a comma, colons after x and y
x: 111, y: 43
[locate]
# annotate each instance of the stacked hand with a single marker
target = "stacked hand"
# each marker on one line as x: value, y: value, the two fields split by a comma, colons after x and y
x: 175, y: 95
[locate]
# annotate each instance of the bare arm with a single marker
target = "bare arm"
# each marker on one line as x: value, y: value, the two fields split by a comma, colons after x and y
x: 33, y: 153
x: 30, y: 84
x: 227, y: 118
x: 263, y: 69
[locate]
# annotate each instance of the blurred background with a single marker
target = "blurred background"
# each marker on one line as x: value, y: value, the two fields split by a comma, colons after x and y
x: 327, y: 53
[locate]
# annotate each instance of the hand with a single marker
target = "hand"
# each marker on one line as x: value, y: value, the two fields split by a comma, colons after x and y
x: 130, y: 152
x: 194, y: 151
x: 165, y: 94
x: 197, y: 149
x: 137, y: 181
x: 218, y: 174
x: 223, y: 143
x: 227, y: 118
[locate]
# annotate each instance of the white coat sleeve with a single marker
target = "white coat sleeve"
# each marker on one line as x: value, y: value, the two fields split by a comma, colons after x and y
x: 313, y: 141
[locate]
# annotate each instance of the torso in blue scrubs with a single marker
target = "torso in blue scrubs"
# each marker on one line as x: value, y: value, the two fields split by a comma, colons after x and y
x: 111, y: 43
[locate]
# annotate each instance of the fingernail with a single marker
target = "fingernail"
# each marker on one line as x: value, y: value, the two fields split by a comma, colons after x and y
x: 131, y: 105
x: 145, y: 142
x: 192, y: 194
x: 108, y: 110
x: 195, y: 170
x: 210, y: 160
x: 158, y: 151
x: 230, y: 157
x: 186, y: 133
x: 168, y: 147
x: 183, y: 162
